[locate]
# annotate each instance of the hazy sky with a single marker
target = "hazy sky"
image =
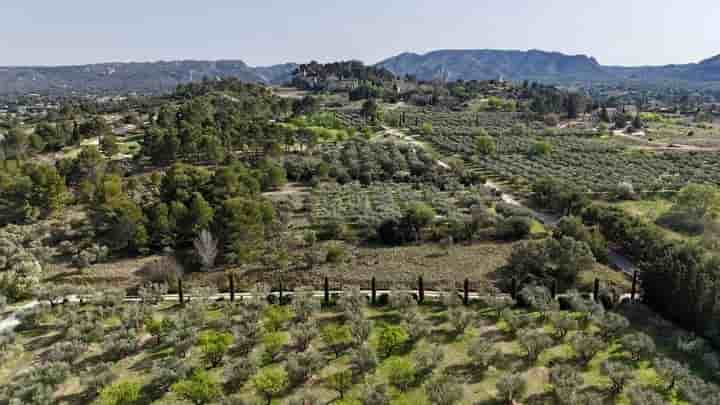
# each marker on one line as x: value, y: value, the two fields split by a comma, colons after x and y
x: 628, y: 32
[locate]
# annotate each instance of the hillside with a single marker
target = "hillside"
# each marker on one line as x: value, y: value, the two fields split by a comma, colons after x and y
x: 492, y: 64
x: 540, y: 65
x: 152, y: 77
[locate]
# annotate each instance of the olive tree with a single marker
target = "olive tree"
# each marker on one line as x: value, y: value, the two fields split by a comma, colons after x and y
x: 375, y: 393
x: 639, y: 345
x: 563, y: 322
x: 566, y: 381
x: 444, y: 390
x: 270, y: 382
x: 586, y: 346
x: 510, y: 387
x: 618, y: 373
x: 302, y: 334
x: 671, y: 371
x: 534, y: 342
x: 482, y: 353
x: 428, y: 358
x: 611, y: 325
x: 639, y: 395
x: 301, y: 366
x: 363, y: 359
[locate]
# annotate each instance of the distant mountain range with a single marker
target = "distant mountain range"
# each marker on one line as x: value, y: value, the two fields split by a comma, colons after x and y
x: 152, y: 77
x: 541, y: 66
x: 155, y: 77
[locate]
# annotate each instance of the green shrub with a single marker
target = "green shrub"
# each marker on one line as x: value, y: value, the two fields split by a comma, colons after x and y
x: 202, y: 388
x: 122, y: 393
x: 214, y: 346
x: 391, y: 340
x: 401, y: 372
x: 270, y: 383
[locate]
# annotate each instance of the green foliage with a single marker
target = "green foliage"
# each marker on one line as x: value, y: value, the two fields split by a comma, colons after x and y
x: 273, y: 344
x: 540, y: 149
x: 34, y: 191
x: 427, y: 128
x: 122, y: 393
x: 510, y: 387
x: 639, y: 345
x: 109, y: 145
x: 270, y: 382
x: 202, y: 388
x: 391, y: 340
x: 401, y: 372
x: 566, y: 383
x: 586, y: 346
x: 551, y: 259
x: 214, y: 345
x: 485, y: 145
x: 618, y: 373
x: 534, y: 342
x: 337, y: 337
x: 341, y: 382
x: 444, y: 390
x: 276, y: 317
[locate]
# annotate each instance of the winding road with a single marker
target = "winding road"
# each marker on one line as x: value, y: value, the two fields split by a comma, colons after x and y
x: 616, y: 259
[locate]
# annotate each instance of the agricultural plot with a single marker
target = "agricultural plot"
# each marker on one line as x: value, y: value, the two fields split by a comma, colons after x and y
x: 398, y: 351
x: 597, y: 165
x: 456, y: 122
x: 356, y: 204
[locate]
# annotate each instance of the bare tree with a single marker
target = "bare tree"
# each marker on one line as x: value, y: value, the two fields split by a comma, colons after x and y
x: 206, y: 247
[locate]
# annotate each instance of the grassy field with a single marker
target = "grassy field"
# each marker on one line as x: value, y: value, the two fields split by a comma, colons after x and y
x: 35, y: 344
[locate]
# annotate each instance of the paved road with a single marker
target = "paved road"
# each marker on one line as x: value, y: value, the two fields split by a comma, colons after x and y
x: 13, y: 320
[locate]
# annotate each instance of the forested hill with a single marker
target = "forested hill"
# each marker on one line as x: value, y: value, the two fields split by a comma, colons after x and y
x: 146, y: 77
x: 541, y: 66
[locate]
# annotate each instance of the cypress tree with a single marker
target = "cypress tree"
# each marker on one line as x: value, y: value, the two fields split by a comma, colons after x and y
x: 421, y: 290
x: 326, y: 287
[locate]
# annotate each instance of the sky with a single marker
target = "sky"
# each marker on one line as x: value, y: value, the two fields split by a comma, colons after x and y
x: 265, y: 32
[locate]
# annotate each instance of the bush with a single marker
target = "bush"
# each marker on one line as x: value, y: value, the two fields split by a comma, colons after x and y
x: 341, y: 382
x: 428, y: 358
x: 201, y: 388
x: 123, y: 393
x: 534, y: 342
x: 239, y: 370
x: 302, y: 334
x: 214, y: 346
x: 401, y: 372
x: 20, y: 271
x: 513, y: 228
x: 639, y: 345
x: 270, y: 382
x: 337, y: 338
x: 276, y: 317
x: 374, y: 393
x: 566, y: 382
x: 444, y: 390
x: 391, y: 339
x: 301, y: 366
x: 510, y: 387
x: 482, y: 353
x: 335, y: 254
x: 586, y: 346
x: 273, y: 344
x: 363, y: 359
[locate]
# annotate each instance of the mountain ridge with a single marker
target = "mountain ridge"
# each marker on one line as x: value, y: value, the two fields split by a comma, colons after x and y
x: 534, y: 64
x: 122, y: 77
x: 448, y: 64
